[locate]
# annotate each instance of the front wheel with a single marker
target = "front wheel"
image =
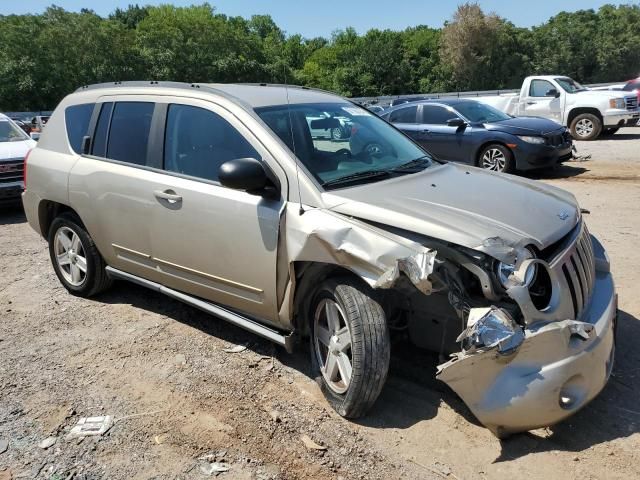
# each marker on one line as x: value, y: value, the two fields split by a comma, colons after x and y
x: 586, y: 126
x: 496, y: 158
x: 350, y: 345
x: 75, y: 258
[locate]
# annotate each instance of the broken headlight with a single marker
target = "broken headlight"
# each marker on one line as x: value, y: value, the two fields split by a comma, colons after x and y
x: 488, y: 328
x: 505, y: 270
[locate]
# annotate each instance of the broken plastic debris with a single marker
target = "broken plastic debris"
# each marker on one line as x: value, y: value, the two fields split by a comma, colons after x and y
x: 214, y: 468
x: 310, y: 444
x: 48, y: 442
x: 88, y: 426
x: 489, y: 328
x: 236, y: 349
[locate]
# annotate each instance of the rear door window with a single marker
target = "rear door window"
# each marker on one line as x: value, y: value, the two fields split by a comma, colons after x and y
x: 197, y: 141
x: 77, y: 119
x: 128, y: 135
x: 436, y: 115
x: 404, y: 115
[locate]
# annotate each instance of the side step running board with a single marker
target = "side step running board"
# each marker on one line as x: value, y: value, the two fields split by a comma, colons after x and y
x: 231, y: 317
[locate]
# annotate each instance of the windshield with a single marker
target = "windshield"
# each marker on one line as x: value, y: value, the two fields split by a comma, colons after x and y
x: 10, y: 132
x: 480, y: 112
x: 569, y: 85
x: 341, y: 141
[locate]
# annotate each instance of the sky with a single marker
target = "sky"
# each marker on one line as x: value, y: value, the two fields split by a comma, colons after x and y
x: 321, y: 17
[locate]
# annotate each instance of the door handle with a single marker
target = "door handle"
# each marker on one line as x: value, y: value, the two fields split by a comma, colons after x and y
x: 531, y: 103
x: 426, y: 130
x: 168, y: 195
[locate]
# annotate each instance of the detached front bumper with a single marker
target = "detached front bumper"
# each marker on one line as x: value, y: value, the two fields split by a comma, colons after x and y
x: 529, y: 156
x: 555, y: 371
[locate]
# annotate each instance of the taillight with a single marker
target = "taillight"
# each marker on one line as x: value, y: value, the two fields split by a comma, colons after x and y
x: 24, y: 169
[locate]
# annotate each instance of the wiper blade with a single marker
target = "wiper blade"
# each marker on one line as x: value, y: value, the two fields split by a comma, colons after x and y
x: 354, y: 177
x: 423, y: 161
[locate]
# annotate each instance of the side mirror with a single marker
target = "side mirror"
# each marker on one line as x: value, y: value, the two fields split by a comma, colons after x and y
x: 247, y: 174
x: 552, y: 93
x: 456, y: 122
x: 35, y: 136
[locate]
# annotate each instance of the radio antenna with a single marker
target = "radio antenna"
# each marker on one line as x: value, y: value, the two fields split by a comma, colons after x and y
x: 293, y: 140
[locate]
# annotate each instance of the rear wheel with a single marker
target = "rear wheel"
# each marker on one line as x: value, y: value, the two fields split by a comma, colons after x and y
x: 350, y: 345
x: 75, y: 258
x: 586, y: 126
x: 496, y: 158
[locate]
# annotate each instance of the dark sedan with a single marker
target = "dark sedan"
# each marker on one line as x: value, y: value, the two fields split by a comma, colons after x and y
x: 469, y: 131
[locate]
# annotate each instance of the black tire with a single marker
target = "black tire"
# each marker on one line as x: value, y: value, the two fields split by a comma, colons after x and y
x: 607, y: 132
x: 505, y: 166
x: 369, y: 345
x: 337, y: 134
x: 586, y: 126
x: 95, y: 279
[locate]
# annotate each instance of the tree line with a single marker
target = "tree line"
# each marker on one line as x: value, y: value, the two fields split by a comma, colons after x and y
x: 43, y: 57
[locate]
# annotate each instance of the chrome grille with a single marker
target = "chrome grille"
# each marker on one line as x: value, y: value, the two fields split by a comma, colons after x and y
x: 631, y: 102
x: 11, y: 171
x: 578, y: 267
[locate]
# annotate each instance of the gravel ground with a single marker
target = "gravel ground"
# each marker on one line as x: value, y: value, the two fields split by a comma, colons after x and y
x: 181, y: 402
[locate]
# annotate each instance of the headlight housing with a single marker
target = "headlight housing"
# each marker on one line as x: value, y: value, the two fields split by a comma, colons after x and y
x: 505, y: 270
x: 617, y: 103
x: 530, y: 139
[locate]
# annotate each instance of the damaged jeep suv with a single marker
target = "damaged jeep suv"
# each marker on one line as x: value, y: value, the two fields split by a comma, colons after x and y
x: 220, y: 197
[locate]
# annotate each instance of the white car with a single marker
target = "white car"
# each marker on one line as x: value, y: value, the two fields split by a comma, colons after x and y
x: 14, y: 146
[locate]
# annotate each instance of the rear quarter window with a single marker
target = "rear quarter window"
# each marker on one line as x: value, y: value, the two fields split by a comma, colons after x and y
x: 77, y: 119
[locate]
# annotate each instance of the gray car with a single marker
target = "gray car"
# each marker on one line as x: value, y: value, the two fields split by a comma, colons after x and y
x: 219, y: 196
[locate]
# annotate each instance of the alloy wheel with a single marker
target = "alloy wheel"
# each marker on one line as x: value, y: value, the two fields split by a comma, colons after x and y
x: 70, y: 256
x: 333, y: 345
x: 493, y: 159
x: 584, y: 127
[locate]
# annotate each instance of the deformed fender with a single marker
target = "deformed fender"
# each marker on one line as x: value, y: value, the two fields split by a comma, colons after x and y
x: 378, y: 256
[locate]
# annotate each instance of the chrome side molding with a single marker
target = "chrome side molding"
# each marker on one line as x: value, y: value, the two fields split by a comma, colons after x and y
x: 231, y: 317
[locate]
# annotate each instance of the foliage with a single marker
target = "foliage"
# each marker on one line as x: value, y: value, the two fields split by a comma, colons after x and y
x: 44, y: 57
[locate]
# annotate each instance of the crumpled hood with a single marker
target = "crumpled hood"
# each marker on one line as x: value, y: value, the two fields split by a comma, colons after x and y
x: 524, y: 126
x: 464, y: 205
x: 15, y: 150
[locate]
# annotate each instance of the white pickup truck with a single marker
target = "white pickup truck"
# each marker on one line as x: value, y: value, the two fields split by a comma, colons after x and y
x: 587, y: 113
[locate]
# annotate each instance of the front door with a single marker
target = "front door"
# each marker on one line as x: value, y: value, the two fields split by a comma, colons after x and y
x: 207, y: 240
x: 539, y: 104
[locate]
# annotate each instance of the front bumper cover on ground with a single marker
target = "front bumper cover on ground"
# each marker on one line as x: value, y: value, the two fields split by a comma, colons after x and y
x: 557, y: 370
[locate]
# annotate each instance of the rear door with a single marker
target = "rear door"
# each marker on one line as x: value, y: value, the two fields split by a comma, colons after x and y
x: 405, y: 119
x: 445, y: 142
x: 538, y: 104
x: 111, y: 187
x: 207, y: 240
